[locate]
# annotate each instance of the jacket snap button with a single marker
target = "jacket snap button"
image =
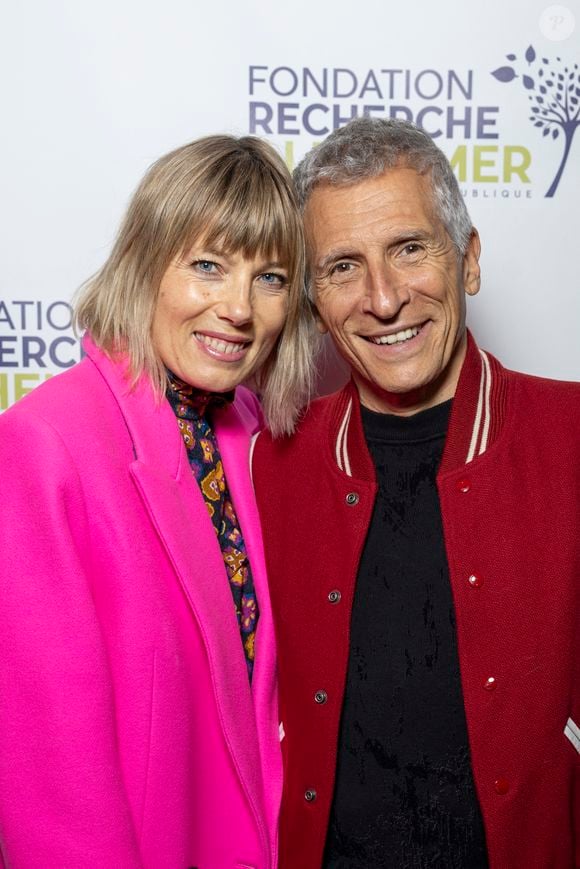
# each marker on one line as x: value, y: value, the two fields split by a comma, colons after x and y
x: 501, y: 786
x: 321, y: 697
x: 352, y: 499
x: 475, y: 580
x: 334, y: 596
x: 310, y: 796
x: 490, y: 684
x: 463, y: 485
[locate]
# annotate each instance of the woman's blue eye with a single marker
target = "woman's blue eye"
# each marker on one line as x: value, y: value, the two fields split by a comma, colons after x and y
x: 273, y: 279
x: 205, y: 265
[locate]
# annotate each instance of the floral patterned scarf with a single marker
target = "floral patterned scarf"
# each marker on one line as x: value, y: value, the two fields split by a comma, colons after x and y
x: 191, y: 407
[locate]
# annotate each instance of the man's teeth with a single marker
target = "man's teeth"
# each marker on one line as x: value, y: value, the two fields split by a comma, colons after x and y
x: 398, y: 337
x: 218, y: 345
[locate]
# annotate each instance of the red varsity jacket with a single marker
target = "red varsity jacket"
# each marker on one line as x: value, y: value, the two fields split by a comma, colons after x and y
x: 509, y: 488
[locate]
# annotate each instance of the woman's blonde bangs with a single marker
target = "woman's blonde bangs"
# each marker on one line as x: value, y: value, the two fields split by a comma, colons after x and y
x: 246, y: 207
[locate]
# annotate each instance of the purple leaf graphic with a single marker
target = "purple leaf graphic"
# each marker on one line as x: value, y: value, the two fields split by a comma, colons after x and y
x: 554, y: 99
x: 504, y: 73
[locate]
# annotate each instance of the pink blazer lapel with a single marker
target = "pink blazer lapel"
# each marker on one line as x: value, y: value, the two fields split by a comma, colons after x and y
x: 234, y: 444
x: 179, y: 516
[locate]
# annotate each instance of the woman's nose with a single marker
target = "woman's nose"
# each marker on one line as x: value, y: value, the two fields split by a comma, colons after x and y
x: 235, y: 306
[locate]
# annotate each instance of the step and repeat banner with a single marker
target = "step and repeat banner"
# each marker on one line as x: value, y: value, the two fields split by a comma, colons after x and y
x: 93, y: 93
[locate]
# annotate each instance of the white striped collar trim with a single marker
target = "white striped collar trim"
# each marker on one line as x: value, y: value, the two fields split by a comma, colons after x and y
x: 572, y: 732
x: 340, y: 449
x: 480, y: 433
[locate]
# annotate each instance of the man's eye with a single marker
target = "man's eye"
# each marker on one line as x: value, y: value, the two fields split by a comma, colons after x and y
x: 272, y: 279
x: 342, y: 268
x: 412, y: 248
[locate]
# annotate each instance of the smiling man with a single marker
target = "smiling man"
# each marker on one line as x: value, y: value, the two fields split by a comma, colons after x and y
x: 422, y: 546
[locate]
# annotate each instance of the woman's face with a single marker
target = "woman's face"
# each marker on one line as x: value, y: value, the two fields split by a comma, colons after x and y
x: 218, y: 316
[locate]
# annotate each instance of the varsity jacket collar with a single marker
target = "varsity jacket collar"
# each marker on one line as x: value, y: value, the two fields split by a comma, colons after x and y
x: 477, y: 416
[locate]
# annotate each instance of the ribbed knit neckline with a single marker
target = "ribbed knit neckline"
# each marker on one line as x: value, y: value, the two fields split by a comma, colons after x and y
x: 392, y: 428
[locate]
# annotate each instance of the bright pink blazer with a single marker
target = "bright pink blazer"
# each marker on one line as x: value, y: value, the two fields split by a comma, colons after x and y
x: 129, y: 734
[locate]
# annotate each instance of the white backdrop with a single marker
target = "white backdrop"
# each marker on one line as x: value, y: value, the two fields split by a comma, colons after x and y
x: 94, y: 92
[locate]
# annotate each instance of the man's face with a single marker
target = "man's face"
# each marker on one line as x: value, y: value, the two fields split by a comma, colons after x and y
x: 390, y: 288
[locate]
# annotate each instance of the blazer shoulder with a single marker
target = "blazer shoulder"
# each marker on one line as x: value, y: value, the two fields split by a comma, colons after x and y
x: 60, y: 396
x: 249, y: 409
x: 76, y: 407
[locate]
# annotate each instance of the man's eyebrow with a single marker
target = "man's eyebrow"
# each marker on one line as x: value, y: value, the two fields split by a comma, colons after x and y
x: 414, y: 234
x: 333, y: 257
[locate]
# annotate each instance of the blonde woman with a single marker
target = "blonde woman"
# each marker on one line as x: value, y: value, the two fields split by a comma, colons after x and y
x: 138, y: 720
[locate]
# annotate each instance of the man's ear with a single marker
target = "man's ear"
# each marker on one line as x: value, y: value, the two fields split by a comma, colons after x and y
x: 471, y: 269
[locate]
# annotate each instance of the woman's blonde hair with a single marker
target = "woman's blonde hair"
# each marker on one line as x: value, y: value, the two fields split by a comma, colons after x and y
x: 232, y: 192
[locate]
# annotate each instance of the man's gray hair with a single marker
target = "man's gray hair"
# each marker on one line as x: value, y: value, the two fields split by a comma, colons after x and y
x: 367, y: 147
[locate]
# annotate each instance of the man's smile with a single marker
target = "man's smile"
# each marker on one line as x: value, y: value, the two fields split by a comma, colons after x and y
x: 399, y: 337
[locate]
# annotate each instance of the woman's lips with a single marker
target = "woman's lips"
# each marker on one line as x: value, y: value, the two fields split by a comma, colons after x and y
x: 226, y: 348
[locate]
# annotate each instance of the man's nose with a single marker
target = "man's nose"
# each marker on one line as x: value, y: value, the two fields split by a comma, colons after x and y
x: 386, y: 293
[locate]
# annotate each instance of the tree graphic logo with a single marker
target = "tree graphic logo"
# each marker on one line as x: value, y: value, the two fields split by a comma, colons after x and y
x: 555, y: 96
